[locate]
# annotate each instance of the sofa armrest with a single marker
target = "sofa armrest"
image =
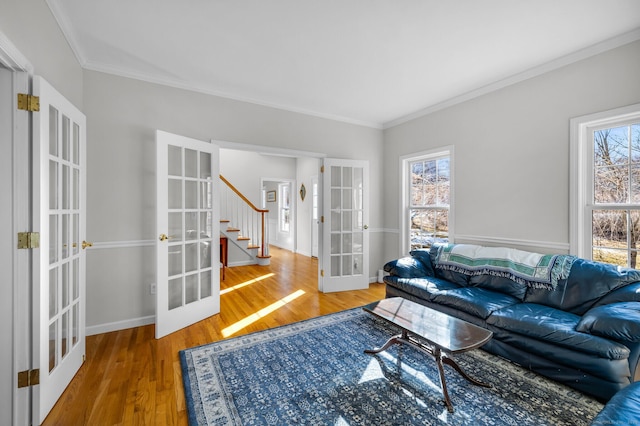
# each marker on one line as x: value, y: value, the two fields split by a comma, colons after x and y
x: 617, y: 321
x: 407, y: 267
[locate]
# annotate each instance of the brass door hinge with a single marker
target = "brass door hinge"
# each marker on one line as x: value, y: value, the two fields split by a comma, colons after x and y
x: 28, y: 378
x: 322, y: 272
x: 321, y: 169
x: 322, y: 219
x: 28, y: 102
x: 28, y: 240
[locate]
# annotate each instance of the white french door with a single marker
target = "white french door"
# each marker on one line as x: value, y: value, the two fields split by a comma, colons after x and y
x: 345, y: 236
x: 188, y: 229
x: 59, y: 188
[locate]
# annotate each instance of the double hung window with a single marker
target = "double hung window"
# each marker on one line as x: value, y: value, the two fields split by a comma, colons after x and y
x: 427, y: 179
x: 607, y: 187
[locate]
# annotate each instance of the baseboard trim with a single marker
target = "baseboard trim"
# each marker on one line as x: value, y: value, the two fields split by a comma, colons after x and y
x: 119, y: 325
x: 510, y: 242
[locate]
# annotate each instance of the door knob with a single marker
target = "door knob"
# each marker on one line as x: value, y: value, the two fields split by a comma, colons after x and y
x: 366, y: 227
x: 86, y: 244
x: 163, y: 237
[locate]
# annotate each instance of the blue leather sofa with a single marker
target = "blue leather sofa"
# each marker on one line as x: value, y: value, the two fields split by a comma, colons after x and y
x: 584, y: 333
x: 622, y: 409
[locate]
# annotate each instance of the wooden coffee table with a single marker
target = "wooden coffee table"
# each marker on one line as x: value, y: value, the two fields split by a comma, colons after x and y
x: 432, y: 332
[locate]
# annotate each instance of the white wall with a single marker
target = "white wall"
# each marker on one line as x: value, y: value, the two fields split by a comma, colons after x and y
x: 512, y: 150
x: 122, y: 116
x: 31, y: 27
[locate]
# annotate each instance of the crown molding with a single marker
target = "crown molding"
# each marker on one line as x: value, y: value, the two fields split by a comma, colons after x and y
x: 67, y: 31
x: 555, y: 64
x: 11, y: 58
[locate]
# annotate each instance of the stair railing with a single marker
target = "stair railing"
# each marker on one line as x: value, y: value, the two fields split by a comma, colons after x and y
x: 245, y: 216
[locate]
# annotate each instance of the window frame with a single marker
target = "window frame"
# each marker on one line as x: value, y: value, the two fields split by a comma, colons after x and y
x: 581, y: 205
x: 405, y: 191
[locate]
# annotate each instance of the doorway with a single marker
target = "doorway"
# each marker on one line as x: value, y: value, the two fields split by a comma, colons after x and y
x: 263, y: 170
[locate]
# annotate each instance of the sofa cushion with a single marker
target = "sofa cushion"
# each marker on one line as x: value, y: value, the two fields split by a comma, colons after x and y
x: 587, y: 282
x: 474, y: 300
x: 618, y: 321
x: 423, y: 288
x: 555, y: 327
x: 423, y: 256
x: 500, y: 285
x: 408, y: 267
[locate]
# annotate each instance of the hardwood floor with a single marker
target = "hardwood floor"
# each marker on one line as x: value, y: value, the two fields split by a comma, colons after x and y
x: 130, y: 378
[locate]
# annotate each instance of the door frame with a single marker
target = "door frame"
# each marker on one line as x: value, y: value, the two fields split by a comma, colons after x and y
x: 285, y: 152
x: 20, y: 263
x: 293, y: 231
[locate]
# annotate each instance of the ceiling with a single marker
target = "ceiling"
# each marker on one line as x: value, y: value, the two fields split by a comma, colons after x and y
x: 369, y: 62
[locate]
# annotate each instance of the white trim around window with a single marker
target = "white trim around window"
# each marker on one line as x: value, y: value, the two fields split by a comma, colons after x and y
x: 405, y: 160
x: 581, y: 172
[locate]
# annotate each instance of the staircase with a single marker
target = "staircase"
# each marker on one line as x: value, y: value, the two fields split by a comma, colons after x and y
x: 244, y: 224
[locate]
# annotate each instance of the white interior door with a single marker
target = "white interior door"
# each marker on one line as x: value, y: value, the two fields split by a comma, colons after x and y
x: 59, y: 178
x: 188, y: 229
x: 345, y: 239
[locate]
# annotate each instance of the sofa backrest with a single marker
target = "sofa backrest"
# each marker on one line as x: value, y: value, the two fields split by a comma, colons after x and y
x: 588, y: 282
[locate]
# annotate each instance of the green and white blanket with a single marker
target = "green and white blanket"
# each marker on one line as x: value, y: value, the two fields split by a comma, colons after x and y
x: 532, y: 269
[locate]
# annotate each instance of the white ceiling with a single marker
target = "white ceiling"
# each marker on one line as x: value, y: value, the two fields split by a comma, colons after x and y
x: 371, y: 62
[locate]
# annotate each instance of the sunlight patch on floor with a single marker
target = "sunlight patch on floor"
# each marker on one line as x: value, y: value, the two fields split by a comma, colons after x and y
x: 246, y: 283
x: 234, y: 328
x: 372, y: 372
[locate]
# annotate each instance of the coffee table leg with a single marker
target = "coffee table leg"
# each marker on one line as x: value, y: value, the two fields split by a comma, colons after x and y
x: 437, y: 353
x: 397, y: 339
x: 456, y: 367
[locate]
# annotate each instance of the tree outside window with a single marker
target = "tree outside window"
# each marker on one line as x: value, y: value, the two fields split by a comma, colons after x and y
x: 429, y: 187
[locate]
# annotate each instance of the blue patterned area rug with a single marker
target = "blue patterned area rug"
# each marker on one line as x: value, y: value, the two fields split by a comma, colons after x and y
x: 314, y: 372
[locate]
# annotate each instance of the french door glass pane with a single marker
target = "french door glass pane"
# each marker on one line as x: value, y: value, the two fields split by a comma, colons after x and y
x: 175, y: 161
x: 65, y: 285
x: 191, y: 288
x: 53, y: 185
x: 53, y: 238
x: 191, y: 194
x: 53, y: 292
x: 175, y: 194
x: 53, y: 131
x: 66, y: 138
x: 205, y: 166
x: 75, y: 327
x: 191, y: 163
x: 175, y: 227
x: 174, y: 264
x: 64, y: 344
x: 191, y: 226
x: 76, y: 144
x: 53, y: 345
x: 205, y: 284
x: 175, y: 293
